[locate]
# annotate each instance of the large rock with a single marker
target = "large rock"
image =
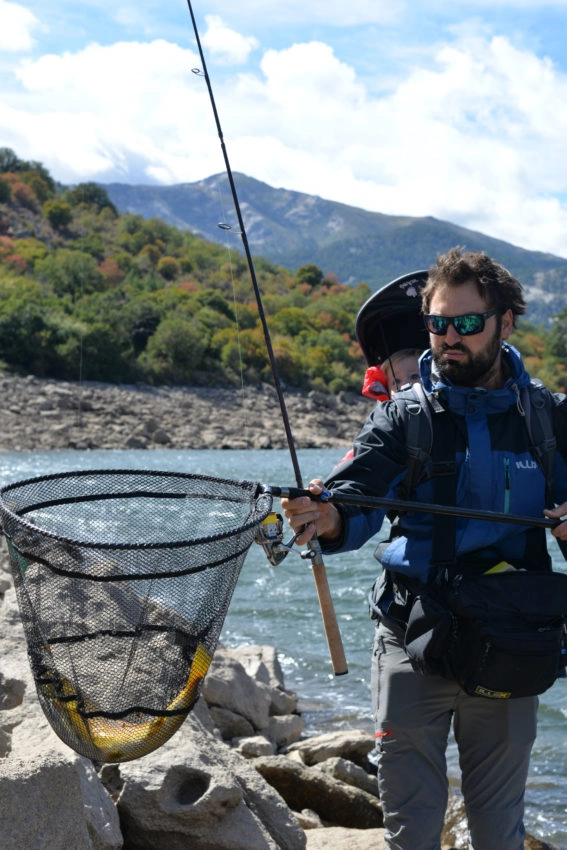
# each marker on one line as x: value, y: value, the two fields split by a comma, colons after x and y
x: 339, y: 838
x: 55, y: 803
x: 353, y: 745
x: 228, y: 686
x: 195, y: 792
x: 246, y: 697
x: 336, y: 802
x: 350, y: 773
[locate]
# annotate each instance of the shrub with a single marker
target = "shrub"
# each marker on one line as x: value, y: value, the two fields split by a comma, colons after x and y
x: 5, y: 191
x: 58, y: 214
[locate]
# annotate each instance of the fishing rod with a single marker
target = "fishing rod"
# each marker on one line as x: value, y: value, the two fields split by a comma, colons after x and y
x: 400, y: 506
x: 330, y: 623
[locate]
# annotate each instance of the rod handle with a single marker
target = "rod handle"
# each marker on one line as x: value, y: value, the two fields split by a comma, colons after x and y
x: 330, y: 624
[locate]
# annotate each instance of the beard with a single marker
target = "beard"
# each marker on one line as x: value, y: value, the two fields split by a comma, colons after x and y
x: 469, y: 371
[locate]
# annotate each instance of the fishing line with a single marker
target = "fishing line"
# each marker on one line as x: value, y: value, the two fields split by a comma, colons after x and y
x: 332, y: 632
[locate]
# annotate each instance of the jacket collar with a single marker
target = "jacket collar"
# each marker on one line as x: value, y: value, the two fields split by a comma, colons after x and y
x: 461, y: 399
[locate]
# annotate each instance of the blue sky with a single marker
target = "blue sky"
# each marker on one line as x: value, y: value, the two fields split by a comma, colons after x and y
x: 456, y: 110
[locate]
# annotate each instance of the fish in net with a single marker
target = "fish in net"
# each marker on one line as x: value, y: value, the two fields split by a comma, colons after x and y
x: 123, y: 579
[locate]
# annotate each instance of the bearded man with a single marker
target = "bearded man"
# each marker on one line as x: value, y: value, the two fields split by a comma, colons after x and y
x: 476, y: 381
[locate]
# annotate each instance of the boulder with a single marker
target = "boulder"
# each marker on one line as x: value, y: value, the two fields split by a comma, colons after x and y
x: 195, y: 792
x: 55, y: 803
x: 335, y: 802
x: 339, y: 838
x: 350, y: 773
x: 353, y: 745
x: 228, y: 686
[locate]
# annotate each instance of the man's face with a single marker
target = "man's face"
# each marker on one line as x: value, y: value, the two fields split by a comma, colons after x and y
x: 469, y: 361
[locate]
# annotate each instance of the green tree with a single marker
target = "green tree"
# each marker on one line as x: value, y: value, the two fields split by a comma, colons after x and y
x: 58, y: 214
x: 69, y: 272
x: 175, y: 352
x: 90, y: 194
x: 309, y: 274
x: 291, y: 321
x: 558, y: 335
x: 5, y: 191
x: 168, y: 268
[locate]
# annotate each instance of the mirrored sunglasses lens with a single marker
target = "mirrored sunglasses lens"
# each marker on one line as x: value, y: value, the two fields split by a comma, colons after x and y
x: 437, y: 324
x: 472, y: 323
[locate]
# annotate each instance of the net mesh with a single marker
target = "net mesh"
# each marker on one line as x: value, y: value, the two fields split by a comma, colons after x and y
x: 123, y: 580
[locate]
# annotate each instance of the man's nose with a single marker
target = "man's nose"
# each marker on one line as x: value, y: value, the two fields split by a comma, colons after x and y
x: 451, y: 337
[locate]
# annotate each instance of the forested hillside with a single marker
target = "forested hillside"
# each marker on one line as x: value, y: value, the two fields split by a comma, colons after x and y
x: 293, y: 228
x: 88, y: 294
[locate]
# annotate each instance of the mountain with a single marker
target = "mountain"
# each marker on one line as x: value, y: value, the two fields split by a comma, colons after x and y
x: 292, y: 229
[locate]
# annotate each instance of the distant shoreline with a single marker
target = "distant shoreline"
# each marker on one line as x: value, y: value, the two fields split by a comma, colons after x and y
x: 44, y: 414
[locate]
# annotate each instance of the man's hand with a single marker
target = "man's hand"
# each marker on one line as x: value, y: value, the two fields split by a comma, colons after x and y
x: 308, y: 517
x: 557, y: 513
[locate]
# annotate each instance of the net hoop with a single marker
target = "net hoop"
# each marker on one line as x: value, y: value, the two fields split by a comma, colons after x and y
x: 123, y: 579
x: 7, y: 511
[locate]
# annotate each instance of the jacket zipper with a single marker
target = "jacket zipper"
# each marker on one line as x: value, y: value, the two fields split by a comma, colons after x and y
x: 506, y: 485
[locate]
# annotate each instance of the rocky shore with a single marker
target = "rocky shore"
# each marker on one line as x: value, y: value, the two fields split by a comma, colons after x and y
x: 40, y: 414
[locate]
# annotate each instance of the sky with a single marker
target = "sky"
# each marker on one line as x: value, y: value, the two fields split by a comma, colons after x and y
x: 455, y: 109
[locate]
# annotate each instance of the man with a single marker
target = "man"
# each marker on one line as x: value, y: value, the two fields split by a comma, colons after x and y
x: 470, y: 305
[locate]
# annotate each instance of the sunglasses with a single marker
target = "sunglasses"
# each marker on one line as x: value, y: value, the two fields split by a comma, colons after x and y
x: 466, y: 325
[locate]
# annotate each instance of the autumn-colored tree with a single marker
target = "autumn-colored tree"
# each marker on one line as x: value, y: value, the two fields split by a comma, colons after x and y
x: 24, y: 195
x: 111, y: 272
x: 17, y: 263
x: 6, y: 246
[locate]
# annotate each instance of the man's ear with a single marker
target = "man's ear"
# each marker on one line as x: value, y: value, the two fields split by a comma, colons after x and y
x: 507, y: 324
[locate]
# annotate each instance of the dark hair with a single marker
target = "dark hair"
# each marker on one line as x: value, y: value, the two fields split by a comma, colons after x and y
x: 494, y: 283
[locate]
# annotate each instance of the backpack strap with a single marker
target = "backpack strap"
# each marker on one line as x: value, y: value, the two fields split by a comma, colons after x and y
x: 417, y: 417
x: 431, y: 439
x: 536, y: 401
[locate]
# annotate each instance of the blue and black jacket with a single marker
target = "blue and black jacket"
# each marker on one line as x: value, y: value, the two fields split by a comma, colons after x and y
x: 495, y: 471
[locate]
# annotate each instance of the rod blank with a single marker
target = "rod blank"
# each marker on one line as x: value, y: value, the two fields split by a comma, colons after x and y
x: 402, y: 506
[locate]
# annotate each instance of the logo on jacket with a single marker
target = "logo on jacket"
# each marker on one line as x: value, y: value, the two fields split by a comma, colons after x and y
x: 526, y: 464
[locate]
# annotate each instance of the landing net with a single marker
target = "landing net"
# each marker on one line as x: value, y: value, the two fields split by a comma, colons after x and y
x: 124, y: 579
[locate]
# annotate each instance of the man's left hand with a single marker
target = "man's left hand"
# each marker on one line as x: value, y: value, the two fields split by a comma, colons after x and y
x: 560, y: 511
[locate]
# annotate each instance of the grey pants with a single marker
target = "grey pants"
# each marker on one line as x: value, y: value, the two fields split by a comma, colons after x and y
x: 413, y: 714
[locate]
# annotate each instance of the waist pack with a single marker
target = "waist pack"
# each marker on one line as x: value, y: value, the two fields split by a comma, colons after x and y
x: 500, y: 636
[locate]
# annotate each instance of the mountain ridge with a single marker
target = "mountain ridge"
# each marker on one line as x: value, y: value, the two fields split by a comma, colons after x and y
x: 292, y: 228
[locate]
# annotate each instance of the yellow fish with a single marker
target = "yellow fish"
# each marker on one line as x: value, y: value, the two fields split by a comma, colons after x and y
x: 122, y: 740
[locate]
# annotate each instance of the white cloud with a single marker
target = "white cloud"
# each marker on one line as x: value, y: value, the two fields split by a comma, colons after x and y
x: 18, y: 24
x: 91, y: 112
x: 227, y: 46
x: 474, y: 134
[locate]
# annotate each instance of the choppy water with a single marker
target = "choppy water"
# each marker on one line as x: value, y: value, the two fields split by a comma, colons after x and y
x: 278, y: 606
